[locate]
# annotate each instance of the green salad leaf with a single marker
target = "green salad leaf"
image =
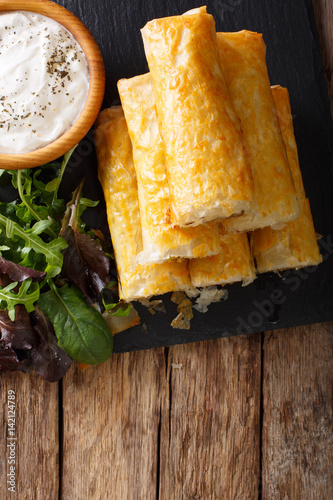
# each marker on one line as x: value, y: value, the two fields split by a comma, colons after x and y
x: 52, y: 268
x: 29, y: 240
x: 27, y: 294
x: 81, y: 330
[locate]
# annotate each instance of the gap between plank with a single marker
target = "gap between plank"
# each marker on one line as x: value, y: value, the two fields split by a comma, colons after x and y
x: 60, y: 434
x: 158, y: 465
x: 261, y: 411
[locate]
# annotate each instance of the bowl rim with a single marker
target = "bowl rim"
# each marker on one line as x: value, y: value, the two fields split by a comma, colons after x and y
x: 88, y: 115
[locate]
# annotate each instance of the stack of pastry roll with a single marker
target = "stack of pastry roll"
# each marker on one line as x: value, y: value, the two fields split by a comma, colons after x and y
x: 232, y: 263
x: 295, y: 245
x: 193, y: 159
x: 118, y: 179
x: 208, y: 173
x: 243, y: 60
x: 161, y: 241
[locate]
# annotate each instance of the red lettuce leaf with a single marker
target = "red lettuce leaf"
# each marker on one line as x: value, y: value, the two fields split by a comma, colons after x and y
x: 48, y: 359
x: 19, y: 273
x: 18, y: 334
x: 30, y: 341
x: 85, y: 263
x: 9, y: 360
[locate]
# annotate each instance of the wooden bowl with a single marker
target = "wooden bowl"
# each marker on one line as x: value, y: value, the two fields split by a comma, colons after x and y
x: 95, y: 92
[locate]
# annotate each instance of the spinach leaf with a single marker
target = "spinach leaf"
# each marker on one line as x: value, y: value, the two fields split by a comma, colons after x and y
x: 81, y: 330
x: 40, y: 239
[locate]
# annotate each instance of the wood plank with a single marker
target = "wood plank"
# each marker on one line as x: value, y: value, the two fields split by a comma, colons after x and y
x: 298, y: 417
x: 111, y: 419
x: 36, y: 447
x: 211, y: 421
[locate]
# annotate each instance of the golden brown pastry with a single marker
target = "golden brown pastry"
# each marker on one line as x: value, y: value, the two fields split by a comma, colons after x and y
x: 109, y: 114
x: 243, y: 62
x: 160, y: 240
x: 207, y: 171
x: 233, y: 263
x: 117, y: 176
x: 282, y: 103
x: 296, y: 244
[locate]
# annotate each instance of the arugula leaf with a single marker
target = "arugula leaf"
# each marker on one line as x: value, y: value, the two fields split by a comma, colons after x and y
x: 53, y: 185
x: 9, y: 210
x: 39, y: 200
x: 32, y: 240
x: 35, y: 203
x: 121, y: 309
x: 82, y: 205
x: 33, y: 249
x: 81, y: 330
x: 27, y: 294
x: 74, y: 210
x: 111, y: 303
x: 28, y: 211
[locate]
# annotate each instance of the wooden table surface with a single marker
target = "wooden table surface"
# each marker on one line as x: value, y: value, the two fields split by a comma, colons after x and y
x: 237, y: 418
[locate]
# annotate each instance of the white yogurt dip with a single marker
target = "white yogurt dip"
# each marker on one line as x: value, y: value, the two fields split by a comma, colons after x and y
x: 44, y: 80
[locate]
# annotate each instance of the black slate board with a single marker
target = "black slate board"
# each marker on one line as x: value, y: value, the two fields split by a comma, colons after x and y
x: 294, y: 61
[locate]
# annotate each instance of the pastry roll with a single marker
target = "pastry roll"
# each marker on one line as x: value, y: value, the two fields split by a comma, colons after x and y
x: 206, y: 167
x: 243, y: 62
x: 160, y: 240
x: 296, y: 244
x: 233, y: 263
x: 282, y: 104
x: 117, y: 176
x: 109, y: 114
